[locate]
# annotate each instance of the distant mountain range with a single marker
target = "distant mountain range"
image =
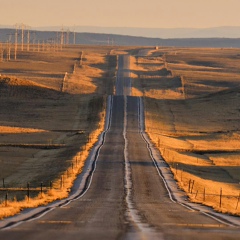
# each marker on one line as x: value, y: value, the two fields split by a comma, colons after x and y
x: 215, y: 32
x: 8, y: 34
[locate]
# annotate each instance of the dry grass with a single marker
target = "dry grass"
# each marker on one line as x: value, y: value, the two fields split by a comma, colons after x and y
x: 5, y: 129
x: 82, y: 81
x: 192, y: 116
x: 152, y: 79
x: 61, y: 186
x: 35, y: 113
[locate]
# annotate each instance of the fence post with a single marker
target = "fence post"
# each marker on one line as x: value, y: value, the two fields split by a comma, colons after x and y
x: 3, y: 183
x: 61, y: 181
x: 196, y: 194
x: 220, y: 200
x: 28, y: 191
x: 189, y: 185
x: 238, y: 201
x: 204, y: 194
x: 50, y: 184
x: 192, y: 186
x: 41, y: 188
x: 6, y: 199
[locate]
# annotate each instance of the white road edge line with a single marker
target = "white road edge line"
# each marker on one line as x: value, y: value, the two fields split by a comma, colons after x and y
x: 142, y: 131
x: 87, y: 173
x: 144, y: 230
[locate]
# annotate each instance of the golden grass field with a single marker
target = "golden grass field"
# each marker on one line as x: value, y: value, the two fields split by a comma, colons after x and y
x: 192, y: 114
x: 49, y: 120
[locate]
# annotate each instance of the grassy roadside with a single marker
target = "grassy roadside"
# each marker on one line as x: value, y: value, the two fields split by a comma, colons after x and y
x: 191, y: 99
x: 65, y: 176
x: 37, y: 113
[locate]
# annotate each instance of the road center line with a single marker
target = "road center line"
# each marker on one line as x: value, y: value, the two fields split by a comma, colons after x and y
x: 141, y: 230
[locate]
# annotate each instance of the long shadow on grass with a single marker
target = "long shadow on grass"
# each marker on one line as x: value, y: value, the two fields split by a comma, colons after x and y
x: 213, y: 173
x: 163, y: 72
x: 33, y: 107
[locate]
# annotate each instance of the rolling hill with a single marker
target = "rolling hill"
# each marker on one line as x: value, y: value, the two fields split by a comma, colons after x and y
x: 86, y: 38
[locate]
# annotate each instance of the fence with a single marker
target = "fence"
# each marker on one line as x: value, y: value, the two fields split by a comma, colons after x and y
x: 63, y: 182
x: 214, y: 193
x: 201, y: 193
x: 9, y: 193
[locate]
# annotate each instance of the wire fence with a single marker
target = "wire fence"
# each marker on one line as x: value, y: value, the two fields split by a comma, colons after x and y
x: 30, y: 190
x: 206, y: 194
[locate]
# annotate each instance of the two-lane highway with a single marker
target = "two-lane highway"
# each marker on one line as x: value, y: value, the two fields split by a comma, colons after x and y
x: 127, y: 198
x: 123, y: 81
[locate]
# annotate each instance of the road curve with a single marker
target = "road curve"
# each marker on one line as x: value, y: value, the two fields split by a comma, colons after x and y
x: 127, y: 197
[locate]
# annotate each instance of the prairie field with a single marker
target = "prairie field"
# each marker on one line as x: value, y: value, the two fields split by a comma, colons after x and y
x: 52, y: 112
x: 192, y: 114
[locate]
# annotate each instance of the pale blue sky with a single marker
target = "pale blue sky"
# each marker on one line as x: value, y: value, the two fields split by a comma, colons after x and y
x: 122, y: 13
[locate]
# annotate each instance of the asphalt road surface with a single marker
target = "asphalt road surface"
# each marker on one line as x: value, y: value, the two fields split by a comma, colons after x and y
x: 127, y: 198
x: 123, y: 83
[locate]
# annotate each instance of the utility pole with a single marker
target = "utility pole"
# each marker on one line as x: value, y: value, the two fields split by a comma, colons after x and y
x: 8, y: 51
x: 34, y: 40
x: 67, y: 40
x: 38, y: 46
x: 16, y: 43
x: 8, y: 47
x: 2, y: 51
x: 62, y: 38
x: 28, y: 40
x: 74, y: 37
x: 56, y: 42
x: 22, y: 35
x: 53, y: 45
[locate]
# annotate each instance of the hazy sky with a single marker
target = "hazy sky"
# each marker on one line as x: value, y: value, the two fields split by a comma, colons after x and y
x: 121, y: 13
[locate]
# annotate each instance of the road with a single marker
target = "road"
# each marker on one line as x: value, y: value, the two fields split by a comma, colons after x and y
x: 123, y: 83
x: 127, y: 197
